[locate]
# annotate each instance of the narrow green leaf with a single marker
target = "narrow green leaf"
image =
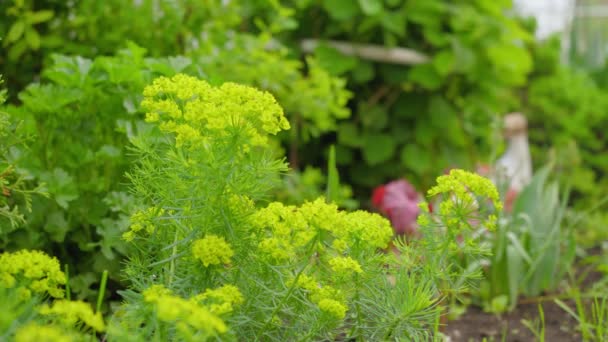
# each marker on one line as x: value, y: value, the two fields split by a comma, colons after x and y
x: 32, y: 38
x: 102, y: 290
x: 333, y: 177
x: 39, y: 17
x: 15, y: 32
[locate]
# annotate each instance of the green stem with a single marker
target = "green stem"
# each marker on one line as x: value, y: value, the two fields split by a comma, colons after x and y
x: 173, y: 253
x: 68, y: 293
x: 102, y: 289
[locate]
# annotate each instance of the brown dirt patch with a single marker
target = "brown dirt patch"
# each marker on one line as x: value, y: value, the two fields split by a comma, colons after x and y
x: 476, y: 325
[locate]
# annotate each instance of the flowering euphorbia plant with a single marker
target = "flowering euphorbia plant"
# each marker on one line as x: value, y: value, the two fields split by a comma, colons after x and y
x: 212, y: 258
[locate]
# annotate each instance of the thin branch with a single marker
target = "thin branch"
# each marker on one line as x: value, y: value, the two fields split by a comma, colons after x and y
x: 378, y: 53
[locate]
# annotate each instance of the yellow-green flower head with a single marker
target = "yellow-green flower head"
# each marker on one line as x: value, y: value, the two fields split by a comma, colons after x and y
x: 240, y: 205
x: 276, y: 249
x: 333, y: 307
x: 345, y: 266
x: 212, y: 250
x: 221, y: 300
x: 462, y: 183
x: 188, y: 315
x: 462, y: 186
x: 142, y: 221
x: 289, y: 228
x: 327, y: 298
x: 72, y: 312
x: 33, y: 332
x: 32, y: 269
x: 373, y: 230
x: 154, y: 292
x: 191, y: 108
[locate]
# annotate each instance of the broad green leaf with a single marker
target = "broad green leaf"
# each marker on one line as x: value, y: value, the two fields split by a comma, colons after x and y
x: 17, y: 50
x: 444, y: 62
x: 371, y: 7
x: 341, y: 10
x: 378, y: 148
x: 394, y: 22
x: 333, y: 60
x: 374, y: 118
x: 39, y: 17
x: 33, y: 38
x: 426, y: 76
x: 515, y: 271
x: 15, y: 32
x: 348, y: 134
x: 415, y: 158
x: 61, y: 186
x: 57, y: 226
x: 394, y: 74
x: 363, y: 72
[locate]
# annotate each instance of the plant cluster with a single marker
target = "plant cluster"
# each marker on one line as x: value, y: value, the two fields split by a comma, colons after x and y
x: 212, y: 258
x: 82, y: 113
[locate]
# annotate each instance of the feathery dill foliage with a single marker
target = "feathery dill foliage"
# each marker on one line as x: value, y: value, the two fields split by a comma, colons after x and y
x: 212, y: 259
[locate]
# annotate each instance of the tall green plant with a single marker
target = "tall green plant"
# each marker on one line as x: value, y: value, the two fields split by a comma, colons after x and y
x: 533, y: 248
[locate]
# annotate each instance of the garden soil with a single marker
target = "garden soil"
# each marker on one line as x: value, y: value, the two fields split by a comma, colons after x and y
x: 476, y: 325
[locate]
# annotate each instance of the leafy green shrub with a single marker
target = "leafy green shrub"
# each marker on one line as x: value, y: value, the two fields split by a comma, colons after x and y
x: 567, y: 109
x: 412, y: 120
x: 33, y: 30
x: 80, y: 120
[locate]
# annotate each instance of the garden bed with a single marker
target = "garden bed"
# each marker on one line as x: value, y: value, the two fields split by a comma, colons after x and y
x: 476, y: 325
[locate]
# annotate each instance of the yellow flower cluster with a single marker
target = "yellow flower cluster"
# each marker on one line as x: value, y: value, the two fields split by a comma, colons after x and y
x: 327, y: 298
x: 462, y: 186
x: 72, y: 312
x: 212, y: 250
x: 189, y: 316
x: 31, y: 271
x: 345, y: 266
x: 191, y: 108
x: 221, y: 300
x: 462, y: 183
x: 240, y: 205
x: 33, y: 332
x: 142, y: 220
x: 286, y: 230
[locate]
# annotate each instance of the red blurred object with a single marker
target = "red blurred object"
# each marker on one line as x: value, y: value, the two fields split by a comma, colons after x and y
x: 398, y: 200
x: 378, y: 195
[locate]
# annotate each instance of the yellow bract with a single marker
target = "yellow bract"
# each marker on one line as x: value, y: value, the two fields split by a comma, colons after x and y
x: 31, y: 271
x: 191, y: 109
x: 188, y: 315
x: 33, y: 332
x: 72, y: 312
x: 212, y: 250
